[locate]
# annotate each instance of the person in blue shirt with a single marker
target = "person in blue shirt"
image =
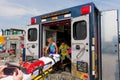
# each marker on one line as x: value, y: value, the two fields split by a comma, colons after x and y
x: 52, y: 46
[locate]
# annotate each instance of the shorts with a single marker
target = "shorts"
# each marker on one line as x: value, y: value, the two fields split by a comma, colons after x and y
x: 63, y: 57
x: 52, y: 52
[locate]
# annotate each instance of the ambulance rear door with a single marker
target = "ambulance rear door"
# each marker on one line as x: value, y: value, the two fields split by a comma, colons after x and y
x: 80, y: 47
x: 110, y: 45
x: 33, y: 41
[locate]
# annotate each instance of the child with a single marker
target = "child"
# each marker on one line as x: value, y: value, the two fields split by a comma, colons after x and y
x: 52, y: 46
x: 64, y: 51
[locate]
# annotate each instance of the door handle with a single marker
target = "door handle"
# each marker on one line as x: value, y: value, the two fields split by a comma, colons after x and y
x: 82, y: 51
x: 78, y: 47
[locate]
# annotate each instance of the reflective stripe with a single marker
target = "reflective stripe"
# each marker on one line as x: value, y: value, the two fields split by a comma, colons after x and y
x: 93, y: 72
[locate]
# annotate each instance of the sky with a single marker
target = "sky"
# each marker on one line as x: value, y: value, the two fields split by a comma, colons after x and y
x: 17, y: 13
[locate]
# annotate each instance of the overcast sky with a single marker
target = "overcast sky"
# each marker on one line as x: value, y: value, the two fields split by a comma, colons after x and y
x: 17, y: 13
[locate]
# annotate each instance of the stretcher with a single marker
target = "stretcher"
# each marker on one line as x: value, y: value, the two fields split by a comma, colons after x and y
x: 40, y: 71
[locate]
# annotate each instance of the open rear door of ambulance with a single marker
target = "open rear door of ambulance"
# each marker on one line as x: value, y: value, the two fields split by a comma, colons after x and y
x: 110, y: 45
x: 80, y: 42
x: 33, y: 41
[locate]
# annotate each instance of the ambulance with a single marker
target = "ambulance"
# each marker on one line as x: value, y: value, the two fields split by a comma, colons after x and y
x: 91, y: 34
x: 14, y: 43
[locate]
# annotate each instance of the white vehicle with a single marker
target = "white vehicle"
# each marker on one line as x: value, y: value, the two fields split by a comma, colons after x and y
x: 92, y: 35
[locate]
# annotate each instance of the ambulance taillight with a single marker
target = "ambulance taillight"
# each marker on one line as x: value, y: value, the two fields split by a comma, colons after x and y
x: 85, y: 9
x: 22, y: 45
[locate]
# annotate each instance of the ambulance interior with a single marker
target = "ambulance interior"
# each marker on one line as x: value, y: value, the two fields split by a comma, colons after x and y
x: 60, y: 31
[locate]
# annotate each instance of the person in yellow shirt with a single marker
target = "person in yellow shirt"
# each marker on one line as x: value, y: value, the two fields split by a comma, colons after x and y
x: 63, y: 49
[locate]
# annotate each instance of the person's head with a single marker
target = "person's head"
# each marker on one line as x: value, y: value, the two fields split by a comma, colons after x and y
x: 50, y: 40
x: 62, y: 43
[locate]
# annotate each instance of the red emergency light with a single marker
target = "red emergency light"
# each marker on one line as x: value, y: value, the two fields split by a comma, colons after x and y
x: 22, y: 45
x: 85, y: 9
x: 33, y: 21
x: 22, y: 37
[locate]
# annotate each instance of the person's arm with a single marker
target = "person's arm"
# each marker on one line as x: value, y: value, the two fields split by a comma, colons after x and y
x: 56, y: 47
x: 59, y: 49
x: 1, y: 72
x: 18, y: 75
x: 43, y: 51
x: 47, y: 47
